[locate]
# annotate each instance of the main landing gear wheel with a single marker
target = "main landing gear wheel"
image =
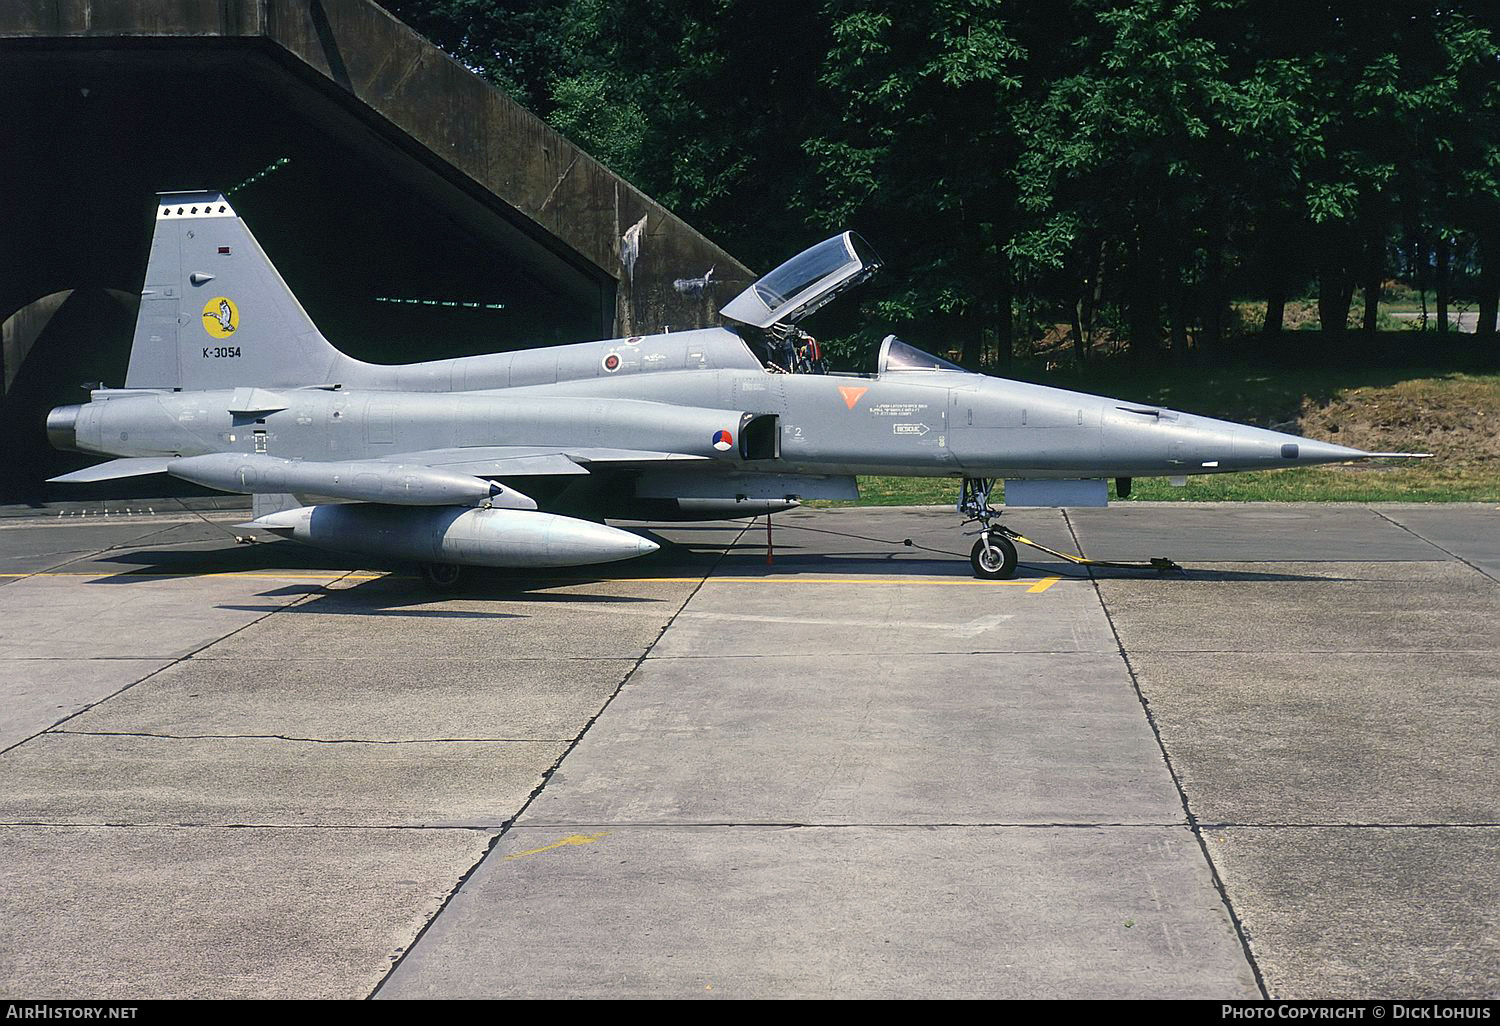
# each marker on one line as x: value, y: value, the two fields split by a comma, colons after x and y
x: 442, y: 576
x: 993, y: 557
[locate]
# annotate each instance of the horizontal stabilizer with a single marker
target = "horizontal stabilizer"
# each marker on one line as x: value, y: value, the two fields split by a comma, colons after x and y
x: 136, y: 466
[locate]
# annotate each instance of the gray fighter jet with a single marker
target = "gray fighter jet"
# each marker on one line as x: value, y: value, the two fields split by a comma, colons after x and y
x: 515, y: 459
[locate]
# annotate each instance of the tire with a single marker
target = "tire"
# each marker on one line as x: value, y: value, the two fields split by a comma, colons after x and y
x: 442, y: 576
x: 993, y: 558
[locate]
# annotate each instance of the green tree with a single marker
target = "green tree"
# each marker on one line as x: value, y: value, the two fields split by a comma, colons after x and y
x: 1125, y: 152
x: 914, y: 149
x: 1115, y: 163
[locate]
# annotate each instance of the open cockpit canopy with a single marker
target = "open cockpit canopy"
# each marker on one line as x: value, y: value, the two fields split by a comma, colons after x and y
x: 804, y: 283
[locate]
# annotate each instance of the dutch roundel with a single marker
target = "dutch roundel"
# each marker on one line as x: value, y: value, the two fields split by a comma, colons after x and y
x: 723, y: 440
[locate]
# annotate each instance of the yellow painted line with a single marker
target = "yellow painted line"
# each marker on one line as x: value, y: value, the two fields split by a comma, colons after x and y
x: 574, y: 839
x: 1032, y: 587
x: 265, y: 577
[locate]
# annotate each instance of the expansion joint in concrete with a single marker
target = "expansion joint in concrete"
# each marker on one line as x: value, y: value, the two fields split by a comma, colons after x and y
x: 316, y: 740
x: 831, y: 654
x: 334, y: 827
x: 79, y: 555
x: 548, y: 773
x: 1449, y: 552
x: 1192, y: 819
x: 94, y: 705
x: 1319, y: 651
x: 1348, y: 826
x: 774, y: 825
x: 345, y: 660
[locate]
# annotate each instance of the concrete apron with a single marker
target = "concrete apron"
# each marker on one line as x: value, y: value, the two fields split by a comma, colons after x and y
x: 269, y: 773
x: 266, y: 770
x: 853, y: 785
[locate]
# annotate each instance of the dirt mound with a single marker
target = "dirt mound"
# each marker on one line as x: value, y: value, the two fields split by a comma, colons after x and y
x: 1452, y: 416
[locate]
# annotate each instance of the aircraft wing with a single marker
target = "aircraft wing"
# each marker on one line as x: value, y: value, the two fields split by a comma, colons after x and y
x: 435, y: 477
x: 535, y: 461
x: 662, y: 475
x: 403, y: 482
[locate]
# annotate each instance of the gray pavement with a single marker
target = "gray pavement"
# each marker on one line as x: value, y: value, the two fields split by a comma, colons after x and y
x: 143, y: 912
x: 1466, y: 533
x: 859, y: 912
x: 245, y: 770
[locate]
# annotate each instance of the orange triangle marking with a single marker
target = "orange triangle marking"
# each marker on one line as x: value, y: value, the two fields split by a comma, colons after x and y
x: 851, y: 395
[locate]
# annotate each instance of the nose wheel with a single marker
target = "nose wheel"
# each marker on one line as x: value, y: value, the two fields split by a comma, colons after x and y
x: 993, y: 557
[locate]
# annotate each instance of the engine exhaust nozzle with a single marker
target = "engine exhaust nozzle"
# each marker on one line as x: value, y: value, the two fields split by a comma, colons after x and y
x: 62, y: 428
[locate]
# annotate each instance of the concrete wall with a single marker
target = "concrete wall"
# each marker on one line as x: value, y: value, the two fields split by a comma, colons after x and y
x: 470, y: 131
x: 401, y: 174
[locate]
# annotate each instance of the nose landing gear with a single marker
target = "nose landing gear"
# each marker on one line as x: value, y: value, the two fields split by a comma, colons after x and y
x: 994, y: 554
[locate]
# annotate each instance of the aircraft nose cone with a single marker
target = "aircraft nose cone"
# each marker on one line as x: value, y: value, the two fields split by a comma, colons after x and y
x: 1276, y: 449
x: 1308, y: 450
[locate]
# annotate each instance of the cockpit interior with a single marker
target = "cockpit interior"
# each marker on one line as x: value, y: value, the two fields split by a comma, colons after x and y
x: 770, y: 309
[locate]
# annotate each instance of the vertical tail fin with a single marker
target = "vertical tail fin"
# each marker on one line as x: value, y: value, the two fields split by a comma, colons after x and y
x: 214, y: 312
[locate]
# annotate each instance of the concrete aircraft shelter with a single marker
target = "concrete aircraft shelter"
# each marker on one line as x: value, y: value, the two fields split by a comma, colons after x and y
x: 373, y: 169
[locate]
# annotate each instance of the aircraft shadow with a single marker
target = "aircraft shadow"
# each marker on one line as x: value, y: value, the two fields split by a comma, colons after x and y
x: 401, y: 590
x: 399, y: 587
x: 323, y: 609
x: 1190, y: 575
x: 267, y: 557
x: 484, y: 583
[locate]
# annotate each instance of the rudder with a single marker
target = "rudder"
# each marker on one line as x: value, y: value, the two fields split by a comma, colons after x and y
x: 214, y: 311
